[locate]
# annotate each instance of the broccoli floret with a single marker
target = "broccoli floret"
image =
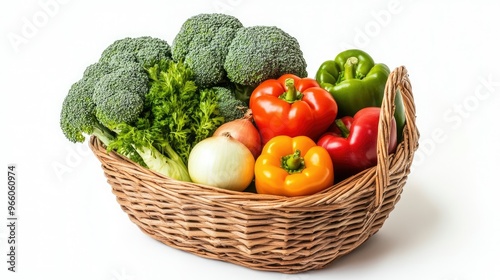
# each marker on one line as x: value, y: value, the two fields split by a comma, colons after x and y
x: 106, y: 95
x: 96, y: 71
x: 103, y: 98
x: 202, y: 43
x: 111, y: 90
x: 144, y: 50
x: 78, y: 115
x: 118, y: 83
x: 259, y: 53
x: 119, y: 96
x: 230, y: 108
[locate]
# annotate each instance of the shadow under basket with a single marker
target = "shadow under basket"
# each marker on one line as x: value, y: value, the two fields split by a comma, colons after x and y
x: 265, y: 232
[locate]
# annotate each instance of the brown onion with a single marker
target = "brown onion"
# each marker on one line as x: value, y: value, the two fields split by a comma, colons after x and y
x: 244, y: 131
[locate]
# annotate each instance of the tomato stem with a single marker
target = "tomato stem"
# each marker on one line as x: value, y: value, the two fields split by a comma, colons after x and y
x: 349, y: 68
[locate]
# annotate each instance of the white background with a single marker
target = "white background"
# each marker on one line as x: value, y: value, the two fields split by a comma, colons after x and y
x: 445, y: 227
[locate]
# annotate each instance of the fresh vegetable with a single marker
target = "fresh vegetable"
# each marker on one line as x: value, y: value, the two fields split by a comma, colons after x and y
x: 352, y: 142
x: 78, y: 115
x: 119, y: 95
x: 259, y: 53
x: 293, y: 167
x: 202, y: 43
x: 356, y: 82
x: 144, y: 50
x: 141, y: 104
x: 292, y: 106
x: 230, y: 108
x: 111, y: 90
x: 222, y: 162
x: 244, y: 131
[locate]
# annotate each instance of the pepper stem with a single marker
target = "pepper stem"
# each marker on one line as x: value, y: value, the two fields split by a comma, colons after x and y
x: 349, y: 68
x: 343, y: 128
x: 293, y: 163
x: 291, y: 94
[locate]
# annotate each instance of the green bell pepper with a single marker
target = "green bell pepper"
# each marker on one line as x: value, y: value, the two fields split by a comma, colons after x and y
x: 356, y: 82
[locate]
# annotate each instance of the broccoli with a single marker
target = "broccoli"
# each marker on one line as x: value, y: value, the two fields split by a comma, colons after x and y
x: 78, y: 115
x: 105, y: 96
x: 144, y: 50
x: 230, y: 108
x: 119, y: 74
x: 110, y: 102
x: 202, y: 43
x: 78, y: 109
x: 119, y: 95
x: 88, y: 107
x: 259, y: 53
x: 96, y: 71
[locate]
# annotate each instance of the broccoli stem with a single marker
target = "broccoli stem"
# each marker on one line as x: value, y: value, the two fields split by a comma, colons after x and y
x: 171, y: 165
x: 103, y: 134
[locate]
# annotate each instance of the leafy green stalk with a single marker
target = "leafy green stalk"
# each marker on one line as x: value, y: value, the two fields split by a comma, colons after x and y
x: 146, y: 145
x: 207, y: 121
x: 103, y: 134
x: 167, y: 163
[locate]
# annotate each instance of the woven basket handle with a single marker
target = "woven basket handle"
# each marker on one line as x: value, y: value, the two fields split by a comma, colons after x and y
x: 397, y: 81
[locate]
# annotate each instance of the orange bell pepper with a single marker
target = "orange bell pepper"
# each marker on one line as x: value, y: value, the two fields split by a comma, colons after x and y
x: 293, y: 166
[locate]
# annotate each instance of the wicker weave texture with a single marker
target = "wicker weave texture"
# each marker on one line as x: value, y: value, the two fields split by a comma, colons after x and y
x: 265, y: 232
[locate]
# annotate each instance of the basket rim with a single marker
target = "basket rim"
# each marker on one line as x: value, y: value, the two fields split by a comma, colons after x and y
x: 335, y: 190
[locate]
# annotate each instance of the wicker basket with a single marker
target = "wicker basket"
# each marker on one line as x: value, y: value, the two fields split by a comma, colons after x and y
x: 265, y: 232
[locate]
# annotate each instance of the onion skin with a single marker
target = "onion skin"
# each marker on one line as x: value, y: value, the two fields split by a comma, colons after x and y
x: 222, y: 162
x: 244, y: 131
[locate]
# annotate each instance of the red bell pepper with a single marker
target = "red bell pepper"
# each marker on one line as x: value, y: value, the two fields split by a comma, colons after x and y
x: 352, y: 142
x: 292, y: 106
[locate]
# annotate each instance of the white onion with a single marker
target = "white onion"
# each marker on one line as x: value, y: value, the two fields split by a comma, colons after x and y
x: 222, y: 162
